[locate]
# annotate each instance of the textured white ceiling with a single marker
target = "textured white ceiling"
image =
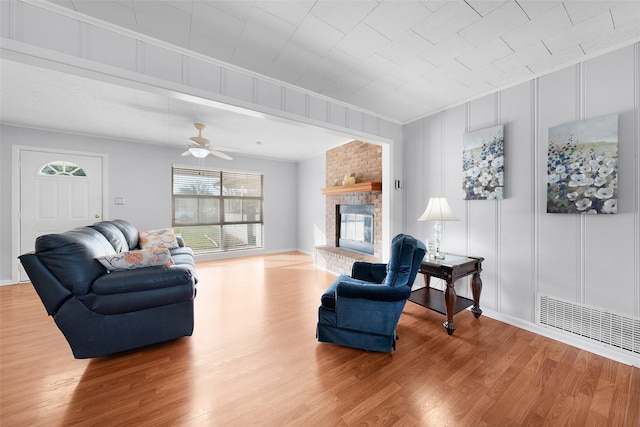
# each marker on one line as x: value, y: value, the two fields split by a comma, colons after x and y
x: 401, y: 59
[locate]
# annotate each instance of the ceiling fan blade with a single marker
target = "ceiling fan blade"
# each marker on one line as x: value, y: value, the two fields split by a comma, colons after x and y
x: 186, y: 153
x: 200, y: 140
x: 220, y: 154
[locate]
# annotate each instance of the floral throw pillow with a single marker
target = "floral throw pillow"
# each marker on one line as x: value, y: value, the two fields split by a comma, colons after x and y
x: 162, y: 238
x: 136, y: 259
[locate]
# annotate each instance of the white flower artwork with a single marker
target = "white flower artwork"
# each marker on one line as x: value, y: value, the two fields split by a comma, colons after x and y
x: 582, y: 167
x: 483, y: 164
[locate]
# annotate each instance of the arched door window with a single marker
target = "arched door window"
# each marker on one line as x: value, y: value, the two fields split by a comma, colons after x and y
x: 62, y: 168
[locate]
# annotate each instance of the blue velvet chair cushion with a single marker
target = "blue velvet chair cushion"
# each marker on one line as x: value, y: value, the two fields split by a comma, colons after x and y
x: 370, y: 272
x: 371, y: 291
x: 404, y: 260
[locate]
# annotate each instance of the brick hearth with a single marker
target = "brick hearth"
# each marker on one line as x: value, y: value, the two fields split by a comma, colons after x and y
x: 339, y: 260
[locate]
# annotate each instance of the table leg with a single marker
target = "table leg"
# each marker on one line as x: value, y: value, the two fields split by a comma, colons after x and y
x: 476, y: 288
x: 450, y: 304
x: 427, y: 280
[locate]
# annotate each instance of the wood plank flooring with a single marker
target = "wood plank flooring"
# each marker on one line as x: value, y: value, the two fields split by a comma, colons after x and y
x: 253, y: 360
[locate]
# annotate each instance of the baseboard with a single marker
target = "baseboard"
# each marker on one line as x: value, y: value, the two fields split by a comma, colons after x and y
x: 304, y: 252
x: 8, y: 282
x: 216, y: 256
x: 566, y: 338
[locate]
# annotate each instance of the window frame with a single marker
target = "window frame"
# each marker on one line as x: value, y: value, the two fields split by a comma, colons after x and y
x: 222, y: 200
x: 64, y: 168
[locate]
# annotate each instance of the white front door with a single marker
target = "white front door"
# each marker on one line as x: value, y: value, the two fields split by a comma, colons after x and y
x: 58, y: 192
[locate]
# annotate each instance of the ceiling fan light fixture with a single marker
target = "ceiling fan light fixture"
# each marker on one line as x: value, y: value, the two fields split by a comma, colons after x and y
x: 198, y: 152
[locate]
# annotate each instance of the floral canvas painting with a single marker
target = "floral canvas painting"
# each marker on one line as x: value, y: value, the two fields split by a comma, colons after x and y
x: 483, y: 164
x: 582, y: 167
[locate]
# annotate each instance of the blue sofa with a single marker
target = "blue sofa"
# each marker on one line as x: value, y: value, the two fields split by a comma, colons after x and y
x: 363, y: 310
x: 102, y: 312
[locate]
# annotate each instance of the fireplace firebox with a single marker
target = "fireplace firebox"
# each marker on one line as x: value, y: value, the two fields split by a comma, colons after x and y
x: 354, y: 228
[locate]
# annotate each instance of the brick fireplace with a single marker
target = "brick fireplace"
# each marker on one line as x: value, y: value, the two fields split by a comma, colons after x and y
x: 364, y: 161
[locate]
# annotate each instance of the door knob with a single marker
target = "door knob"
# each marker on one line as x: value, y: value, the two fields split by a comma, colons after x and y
x: 97, y: 215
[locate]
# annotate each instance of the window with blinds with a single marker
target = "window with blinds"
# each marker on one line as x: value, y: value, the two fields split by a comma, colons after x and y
x: 217, y: 211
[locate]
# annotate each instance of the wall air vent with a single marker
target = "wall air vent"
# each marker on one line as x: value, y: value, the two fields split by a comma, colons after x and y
x: 616, y: 330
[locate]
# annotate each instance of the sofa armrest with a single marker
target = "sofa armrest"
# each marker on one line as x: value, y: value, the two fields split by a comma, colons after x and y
x: 51, y: 292
x: 370, y: 272
x: 142, y: 279
x: 371, y: 291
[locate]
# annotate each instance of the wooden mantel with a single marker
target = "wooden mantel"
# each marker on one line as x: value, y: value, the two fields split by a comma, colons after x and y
x: 360, y: 187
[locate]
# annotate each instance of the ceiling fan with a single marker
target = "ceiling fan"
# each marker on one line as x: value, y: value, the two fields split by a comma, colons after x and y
x: 202, y: 147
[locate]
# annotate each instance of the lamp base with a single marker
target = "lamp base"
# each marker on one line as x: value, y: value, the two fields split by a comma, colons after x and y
x: 437, y: 255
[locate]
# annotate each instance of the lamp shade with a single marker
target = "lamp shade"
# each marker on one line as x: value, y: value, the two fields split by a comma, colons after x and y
x: 438, y: 210
x: 198, y: 152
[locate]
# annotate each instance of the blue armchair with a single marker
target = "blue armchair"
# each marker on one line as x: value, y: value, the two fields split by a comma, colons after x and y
x: 363, y: 310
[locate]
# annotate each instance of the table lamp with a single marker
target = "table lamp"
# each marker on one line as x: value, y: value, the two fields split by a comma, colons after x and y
x: 437, y: 210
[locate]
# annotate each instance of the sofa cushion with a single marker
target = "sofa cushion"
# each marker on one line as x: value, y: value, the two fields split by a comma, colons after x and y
x: 136, y: 259
x: 71, y: 257
x: 113, y: 235
x: 182, y: 255
x: 157, y: 239
x: 129, y: 231
x: 124, y: 281
x: 128, y: 302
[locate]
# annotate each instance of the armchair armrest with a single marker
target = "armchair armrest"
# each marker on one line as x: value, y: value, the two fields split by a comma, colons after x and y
x: 372, y: 291
x: 142, y: 279
x: 370, y: 272
x: 369, y: 307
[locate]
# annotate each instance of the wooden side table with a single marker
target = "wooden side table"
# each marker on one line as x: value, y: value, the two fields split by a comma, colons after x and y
x: 450, y: 269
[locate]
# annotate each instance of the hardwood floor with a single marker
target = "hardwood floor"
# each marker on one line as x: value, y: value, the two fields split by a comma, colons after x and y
x: 253, y: 360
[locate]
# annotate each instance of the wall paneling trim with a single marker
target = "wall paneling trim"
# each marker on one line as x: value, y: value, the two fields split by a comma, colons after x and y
x: 590, y: 261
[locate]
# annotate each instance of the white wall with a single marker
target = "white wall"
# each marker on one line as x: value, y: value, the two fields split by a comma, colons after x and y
x: 5, y: 213
x: 141, y: 174
x: 593, y: 260
x: 312, y: 229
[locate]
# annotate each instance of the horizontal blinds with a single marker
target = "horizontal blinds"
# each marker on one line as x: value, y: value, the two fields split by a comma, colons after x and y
x: 218, y: 210
x: 244, y: 185
x: 196, y: 182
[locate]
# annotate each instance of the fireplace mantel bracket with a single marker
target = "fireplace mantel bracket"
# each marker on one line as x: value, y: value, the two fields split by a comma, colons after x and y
x: 361, y: 187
